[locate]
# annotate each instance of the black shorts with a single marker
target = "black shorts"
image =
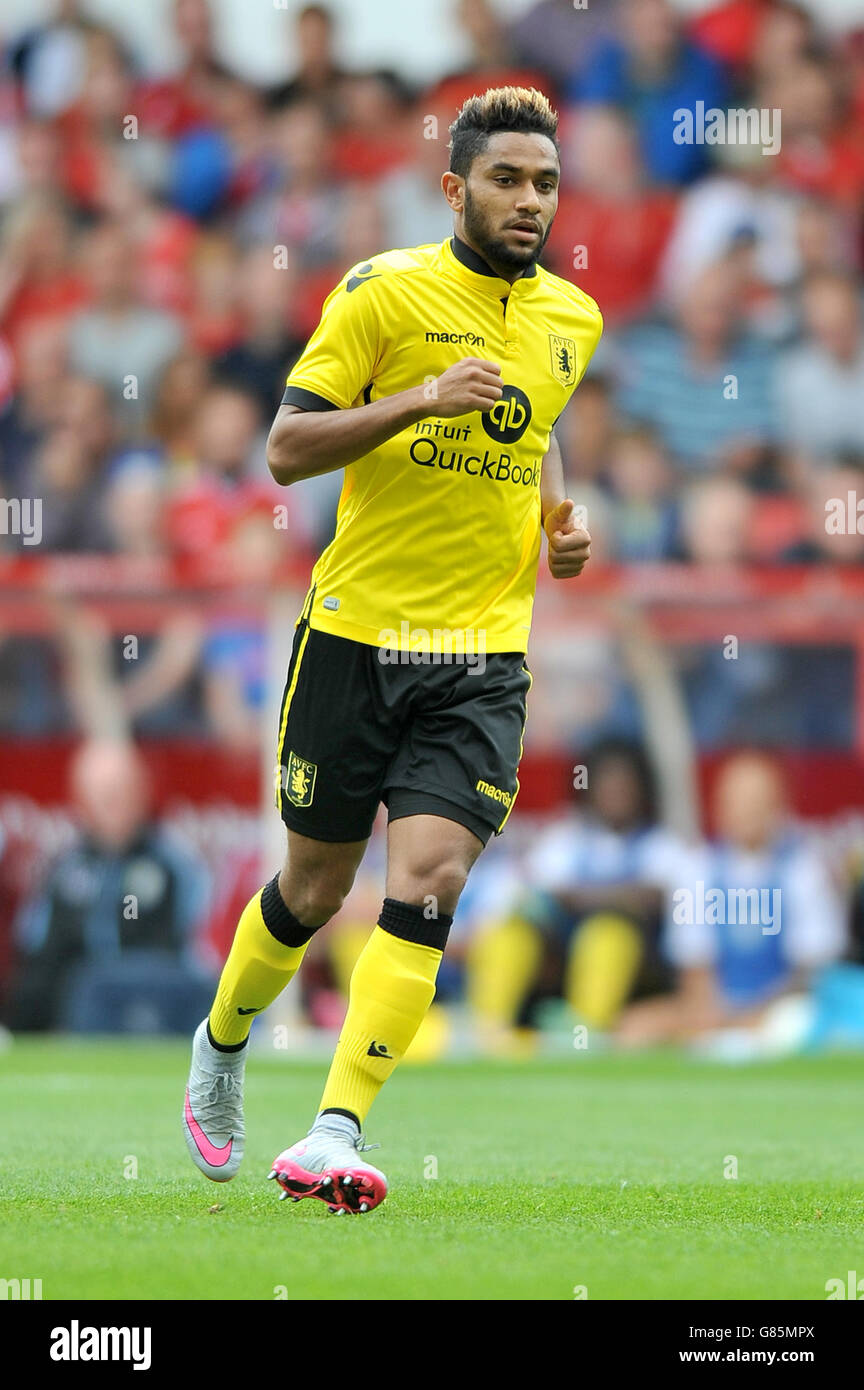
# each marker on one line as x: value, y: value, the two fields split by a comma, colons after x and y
x: 439, y: 738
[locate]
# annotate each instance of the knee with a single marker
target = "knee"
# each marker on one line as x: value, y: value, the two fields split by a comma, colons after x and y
x: 441, y: 877
x: 312, y: 897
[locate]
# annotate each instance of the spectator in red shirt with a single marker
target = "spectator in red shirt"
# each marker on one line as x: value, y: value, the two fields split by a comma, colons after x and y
x: 205, y: 512
x: 612, y: 228
x: 493, y: 61
x: 373, y: 139
x: 202, y: 510
x: 731, y: 30
x: 215, y: 320
x: 171, y: 106
x: 38, y: 280
x: 823, y: 148
x: 95, y: 124
x: 164, y: 240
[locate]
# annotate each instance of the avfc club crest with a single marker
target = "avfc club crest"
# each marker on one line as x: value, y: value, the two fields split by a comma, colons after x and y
x: 300, y: 780
x: 563, y: 351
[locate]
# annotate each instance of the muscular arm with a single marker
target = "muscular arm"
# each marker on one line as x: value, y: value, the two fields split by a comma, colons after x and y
x: 305, y: 443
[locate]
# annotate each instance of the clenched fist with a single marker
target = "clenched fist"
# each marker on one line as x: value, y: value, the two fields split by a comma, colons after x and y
x: 569, y: 543
x: 471, y: 384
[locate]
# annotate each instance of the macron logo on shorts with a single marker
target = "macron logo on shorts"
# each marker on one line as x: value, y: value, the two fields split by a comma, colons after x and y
x: 495, y: 792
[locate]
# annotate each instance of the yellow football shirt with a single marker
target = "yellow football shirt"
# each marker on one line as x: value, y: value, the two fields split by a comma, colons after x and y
x: 438, y: 529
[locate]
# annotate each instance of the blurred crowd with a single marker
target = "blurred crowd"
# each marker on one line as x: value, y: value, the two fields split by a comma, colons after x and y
x: 168, y: 239
x: 603, y: 925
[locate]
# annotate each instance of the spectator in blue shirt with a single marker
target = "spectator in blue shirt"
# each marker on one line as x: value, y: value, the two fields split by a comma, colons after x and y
x: 702, y: 381
x: 652, y: 71
x: 751, y: 917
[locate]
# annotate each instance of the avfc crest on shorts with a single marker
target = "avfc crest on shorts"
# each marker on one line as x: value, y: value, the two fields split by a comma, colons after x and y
x: 300, y: 780
x: 563, y: 351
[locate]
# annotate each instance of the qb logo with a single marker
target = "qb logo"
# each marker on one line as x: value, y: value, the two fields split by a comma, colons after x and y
x: 509, y: 418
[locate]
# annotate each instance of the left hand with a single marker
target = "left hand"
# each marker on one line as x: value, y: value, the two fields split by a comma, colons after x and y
x: 569, y: 543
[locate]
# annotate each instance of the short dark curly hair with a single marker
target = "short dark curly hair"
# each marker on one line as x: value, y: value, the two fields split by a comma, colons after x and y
x: 521, y: 109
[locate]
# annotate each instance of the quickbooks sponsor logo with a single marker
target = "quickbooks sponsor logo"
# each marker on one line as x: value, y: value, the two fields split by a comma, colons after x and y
x: 472, y: 339
x: 495, y: 792
x: 500, y: 469
x: 77, y: 1343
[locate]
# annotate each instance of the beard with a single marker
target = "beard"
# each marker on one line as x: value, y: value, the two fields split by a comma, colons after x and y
x: 499, y: 253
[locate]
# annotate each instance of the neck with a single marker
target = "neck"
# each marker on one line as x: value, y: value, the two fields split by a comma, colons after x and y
x: 503, y: 273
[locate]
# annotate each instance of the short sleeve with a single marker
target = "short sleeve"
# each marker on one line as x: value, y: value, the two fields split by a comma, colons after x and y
x: 340, y: 359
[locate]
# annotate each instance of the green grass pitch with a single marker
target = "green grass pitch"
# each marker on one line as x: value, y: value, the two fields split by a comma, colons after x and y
x: 605, y: 1173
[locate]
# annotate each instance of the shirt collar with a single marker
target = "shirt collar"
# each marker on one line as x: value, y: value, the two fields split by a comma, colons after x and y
x: 469, y: 267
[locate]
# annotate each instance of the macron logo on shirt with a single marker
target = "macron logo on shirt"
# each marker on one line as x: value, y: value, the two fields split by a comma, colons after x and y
x: 360, y: 276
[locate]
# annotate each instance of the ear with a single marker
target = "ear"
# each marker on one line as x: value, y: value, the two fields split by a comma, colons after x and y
x: 453, y: 187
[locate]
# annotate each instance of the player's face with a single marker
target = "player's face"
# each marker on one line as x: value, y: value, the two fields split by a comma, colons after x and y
x: 511, y: 197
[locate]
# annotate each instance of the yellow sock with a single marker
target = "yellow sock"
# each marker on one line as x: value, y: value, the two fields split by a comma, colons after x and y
x: 392, y: 986
x: 602, y: 966
x: 257, y: 970
x: 345, y: 944
x: 503, y: 960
